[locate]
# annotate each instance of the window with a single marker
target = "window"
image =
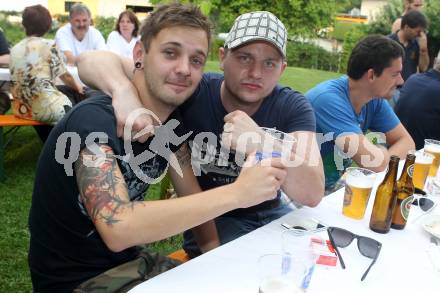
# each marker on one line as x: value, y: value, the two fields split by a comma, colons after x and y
x: 69, y: 4
x: 139, y: 9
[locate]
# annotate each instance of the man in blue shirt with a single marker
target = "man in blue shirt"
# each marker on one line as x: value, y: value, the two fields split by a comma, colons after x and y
x: 419, y: 105
x: 346, y: 108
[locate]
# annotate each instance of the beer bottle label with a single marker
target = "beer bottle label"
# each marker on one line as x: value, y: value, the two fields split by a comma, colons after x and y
x: 410, y: 170
x: 405, y: 205
x: 347, y: 195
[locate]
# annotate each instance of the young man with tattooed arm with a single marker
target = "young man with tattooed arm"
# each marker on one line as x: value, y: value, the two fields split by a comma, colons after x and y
x: 88, y: 215
x: 226, y: 108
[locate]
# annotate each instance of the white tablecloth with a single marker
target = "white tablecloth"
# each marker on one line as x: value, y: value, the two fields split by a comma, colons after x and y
x: 6, y: 76
x: 403, y: 264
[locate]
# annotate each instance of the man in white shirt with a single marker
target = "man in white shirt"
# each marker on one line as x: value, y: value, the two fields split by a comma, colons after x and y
x: 78, y: 36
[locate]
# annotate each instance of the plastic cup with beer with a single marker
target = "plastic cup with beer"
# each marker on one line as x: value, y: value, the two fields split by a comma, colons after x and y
x: 279, y: 273
x: 421, y: 168
x: 433, y: 147
x: 358, y: 185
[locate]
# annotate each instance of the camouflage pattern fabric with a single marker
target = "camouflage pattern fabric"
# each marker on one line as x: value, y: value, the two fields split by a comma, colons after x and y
x: 126, y: 276
x: 35, y: 63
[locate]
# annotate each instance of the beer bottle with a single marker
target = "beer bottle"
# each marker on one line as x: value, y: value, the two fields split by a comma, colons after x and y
x: 405, y: 188
x: 385, y: 199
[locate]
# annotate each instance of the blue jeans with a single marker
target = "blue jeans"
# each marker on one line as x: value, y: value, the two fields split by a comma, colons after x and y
x: 232, y: 227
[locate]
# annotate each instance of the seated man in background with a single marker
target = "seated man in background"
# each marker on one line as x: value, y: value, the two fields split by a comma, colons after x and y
x: 88, y: 213
x: 419, y: 105
x: 348, y: 107
x: 227, y: 106
x: 78, y: 36
x: 5, y: 102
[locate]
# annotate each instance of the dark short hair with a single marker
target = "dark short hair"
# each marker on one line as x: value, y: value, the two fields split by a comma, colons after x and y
x: 373, y: 52
x: 36, y: 20
x: 133, y: 19
x: 414, y: 19
x: 173, y: 15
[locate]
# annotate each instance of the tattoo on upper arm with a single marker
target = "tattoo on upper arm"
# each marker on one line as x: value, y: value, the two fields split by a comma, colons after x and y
x: 102, y: 187
x: 183, y: 155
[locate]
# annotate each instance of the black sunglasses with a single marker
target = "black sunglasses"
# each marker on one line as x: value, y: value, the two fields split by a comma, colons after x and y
x: 367, y: 246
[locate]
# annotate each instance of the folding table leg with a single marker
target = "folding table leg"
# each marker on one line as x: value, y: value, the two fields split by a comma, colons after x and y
x: 2, y: 156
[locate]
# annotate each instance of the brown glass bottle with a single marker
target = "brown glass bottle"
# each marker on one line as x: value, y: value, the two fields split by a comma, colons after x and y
x: 385, y: 199
x: 405, y: 188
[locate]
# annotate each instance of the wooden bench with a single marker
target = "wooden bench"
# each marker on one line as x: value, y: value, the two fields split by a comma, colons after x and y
x: 13, y: 122
x: 179, y: 255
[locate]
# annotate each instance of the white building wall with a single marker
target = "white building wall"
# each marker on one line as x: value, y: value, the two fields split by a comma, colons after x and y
x: 19, y: 5
x: 114, y: 8
x: 371, y: 8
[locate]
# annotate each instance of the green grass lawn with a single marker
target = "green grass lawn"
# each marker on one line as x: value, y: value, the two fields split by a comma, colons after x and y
x: 341, y: 28
x: 15, y: 192
x: 300, y: 79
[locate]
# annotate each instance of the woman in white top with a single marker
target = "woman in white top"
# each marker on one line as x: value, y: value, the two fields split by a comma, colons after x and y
x: 122, y: 40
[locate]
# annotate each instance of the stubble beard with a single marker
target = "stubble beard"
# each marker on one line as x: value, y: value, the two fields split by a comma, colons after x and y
x: 236, y: 99
x: 155, y: 92
x: 80, y: 33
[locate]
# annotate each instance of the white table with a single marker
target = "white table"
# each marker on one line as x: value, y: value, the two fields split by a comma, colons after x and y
x: 5, y: 75
x: 5, y: 78
x: 403, y: 264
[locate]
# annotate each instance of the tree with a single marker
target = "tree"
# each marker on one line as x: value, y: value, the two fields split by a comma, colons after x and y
x: 432, y: 9
x: 346, y: 5
x: 393, y: 10
x: 301, y: 17
x: 383, y: 22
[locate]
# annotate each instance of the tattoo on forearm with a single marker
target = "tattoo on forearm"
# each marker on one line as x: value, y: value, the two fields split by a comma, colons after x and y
x: 102, y: 187
x: 184, y: 156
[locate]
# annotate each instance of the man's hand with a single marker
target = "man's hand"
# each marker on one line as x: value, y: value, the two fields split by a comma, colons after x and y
x: 237, y: 124
x: 259, y: 181
x: 143, y: 124
x: 70, y: 58
x: 111, y: 74
x: 79, y: 88
x: 424, y: 56
x: 423, y: 42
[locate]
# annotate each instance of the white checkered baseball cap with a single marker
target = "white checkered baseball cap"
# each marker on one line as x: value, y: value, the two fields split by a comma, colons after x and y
x: 258, y: 25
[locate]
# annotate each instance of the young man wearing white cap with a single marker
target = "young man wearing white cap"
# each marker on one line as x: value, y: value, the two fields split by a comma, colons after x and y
x: 245, y: 98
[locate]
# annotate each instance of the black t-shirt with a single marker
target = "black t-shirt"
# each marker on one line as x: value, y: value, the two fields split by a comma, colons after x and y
x: 284, y: 109
x: 418, y: 107
x: 65, y: 249
x: 4, y: 47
